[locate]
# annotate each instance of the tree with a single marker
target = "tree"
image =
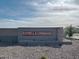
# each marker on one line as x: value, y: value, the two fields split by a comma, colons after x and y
x: 69, y: 31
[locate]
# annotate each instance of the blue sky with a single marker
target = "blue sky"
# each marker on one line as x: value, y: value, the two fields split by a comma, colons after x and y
x: 26, y: 13
x: 15, y: 9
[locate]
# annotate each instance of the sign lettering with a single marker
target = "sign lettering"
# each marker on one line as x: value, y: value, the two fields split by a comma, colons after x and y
x: 37, y: 33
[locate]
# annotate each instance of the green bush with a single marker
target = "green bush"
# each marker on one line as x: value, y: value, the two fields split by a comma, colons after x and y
x: 43, y: 57
x: 69, y: 31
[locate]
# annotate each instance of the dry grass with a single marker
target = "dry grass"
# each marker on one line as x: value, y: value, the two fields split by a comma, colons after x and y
x: 20, y: 52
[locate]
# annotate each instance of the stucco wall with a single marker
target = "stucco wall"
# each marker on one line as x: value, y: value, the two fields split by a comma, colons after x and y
x: 8, y: 35
x: 8, y: 32
x: 56, y: 37
x: 48, y: 35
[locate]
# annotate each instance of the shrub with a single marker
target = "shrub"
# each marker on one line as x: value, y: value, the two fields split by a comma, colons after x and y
x: 69, y: 31
x: 43, y: 57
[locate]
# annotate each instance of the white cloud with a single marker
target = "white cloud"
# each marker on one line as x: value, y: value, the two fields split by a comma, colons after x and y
x: 60, y: 5
x: 40, y: 21
x: 60, y: 13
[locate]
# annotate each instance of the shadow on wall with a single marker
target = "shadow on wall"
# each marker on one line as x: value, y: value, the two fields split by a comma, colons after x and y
x: 6, y: 44
x: 54, y: 45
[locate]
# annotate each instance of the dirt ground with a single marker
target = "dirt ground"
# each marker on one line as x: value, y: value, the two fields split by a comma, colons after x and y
x: 22, y: 52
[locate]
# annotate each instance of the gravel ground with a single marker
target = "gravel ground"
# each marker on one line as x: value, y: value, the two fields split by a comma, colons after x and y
x: 21, y: 52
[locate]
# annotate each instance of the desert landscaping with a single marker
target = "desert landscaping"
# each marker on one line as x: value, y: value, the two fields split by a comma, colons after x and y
x: 24, y: 52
